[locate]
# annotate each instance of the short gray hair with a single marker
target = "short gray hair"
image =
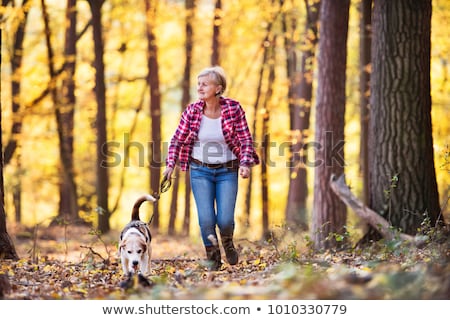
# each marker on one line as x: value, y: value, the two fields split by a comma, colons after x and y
x: 218, y: 75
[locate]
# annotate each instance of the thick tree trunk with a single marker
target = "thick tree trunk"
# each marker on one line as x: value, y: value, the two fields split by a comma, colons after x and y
x: 364, y: 90
x: 100, y: 92
x: 329, y: 212
x: 300, y: 97
x: 7, y: 249
x: 68, y: 188
x: 403, y: 186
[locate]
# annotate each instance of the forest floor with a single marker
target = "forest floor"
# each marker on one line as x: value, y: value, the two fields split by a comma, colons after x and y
x: 77, y: 263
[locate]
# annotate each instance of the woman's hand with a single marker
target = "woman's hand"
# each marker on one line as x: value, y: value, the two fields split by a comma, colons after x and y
x: 168, y: 172
x: 244, y: 172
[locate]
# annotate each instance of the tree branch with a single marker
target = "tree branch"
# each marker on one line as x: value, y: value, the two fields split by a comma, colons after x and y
x: 341, y: 189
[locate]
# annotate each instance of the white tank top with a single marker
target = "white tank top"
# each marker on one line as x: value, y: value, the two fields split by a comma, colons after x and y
x: 210, y: 146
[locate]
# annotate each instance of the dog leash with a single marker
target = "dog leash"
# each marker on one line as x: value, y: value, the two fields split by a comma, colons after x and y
x: 164, y: 186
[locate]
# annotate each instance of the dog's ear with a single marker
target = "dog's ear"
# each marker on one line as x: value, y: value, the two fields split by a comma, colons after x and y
x: 144, y: 247
x: 122, y: 244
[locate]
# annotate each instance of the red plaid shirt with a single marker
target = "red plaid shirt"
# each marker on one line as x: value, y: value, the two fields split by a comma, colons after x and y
x: 234, y: 127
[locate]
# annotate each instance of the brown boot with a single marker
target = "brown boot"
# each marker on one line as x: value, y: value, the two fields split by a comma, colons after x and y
x: 213, y: 258
x: 230, y: 250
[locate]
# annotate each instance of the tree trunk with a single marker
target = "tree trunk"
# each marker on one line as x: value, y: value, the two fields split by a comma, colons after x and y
x: 186, y: 85
x: 68, y: 207
x: 100, y: 92
x: 68, y: 188
x: 187, y: 205
x: 7, y: 249
x: 300, y: 97
x: 174, y: 203
x: 155, y: 105
x: 403, y: 186
x: 364, y: 90
x: 266, y: 141
x: 17, y: 188
x: 215, y: 57
x: 16, y: 70
x: 259, y: 89
x: 329, y: 212
x: 190, y: 6
x: 11, y: 147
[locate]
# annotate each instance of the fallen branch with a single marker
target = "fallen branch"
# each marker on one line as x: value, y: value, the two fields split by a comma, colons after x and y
x: 341, y: 189
x: 106, y: 261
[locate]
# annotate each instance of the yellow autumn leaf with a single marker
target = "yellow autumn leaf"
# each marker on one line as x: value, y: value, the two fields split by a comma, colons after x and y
x: 47, y: 268
x: 80, y: 290
x: 170, y: 269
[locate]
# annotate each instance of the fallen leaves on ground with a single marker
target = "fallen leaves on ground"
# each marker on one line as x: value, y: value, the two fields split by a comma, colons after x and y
x: 88, y: 268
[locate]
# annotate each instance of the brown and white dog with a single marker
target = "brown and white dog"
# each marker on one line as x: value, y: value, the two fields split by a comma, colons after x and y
x: 135, y: 242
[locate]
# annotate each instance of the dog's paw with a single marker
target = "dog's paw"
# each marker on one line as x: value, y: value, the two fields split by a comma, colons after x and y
x: 143, y: 281
x: 133, y: 280
x: 127, y: 284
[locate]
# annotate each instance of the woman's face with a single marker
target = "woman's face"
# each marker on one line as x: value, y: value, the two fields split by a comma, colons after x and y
x: 207, y: 87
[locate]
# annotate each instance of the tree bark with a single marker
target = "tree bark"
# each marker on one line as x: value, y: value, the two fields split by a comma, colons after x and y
x: 16, y: 69
x: 215, y: 57
x: 68, y: 187
x: 329, y: 213
x: 364, y: 90
x: 257, y: 106
x: 266, y: 141
x: 403, y: 186
x: 12, y: 147
x: 300, y: 98
x: 100, y: 92
x: 186, y: 97
x: 7, y: 249
x: 155, y: 105
x: 64, y: 111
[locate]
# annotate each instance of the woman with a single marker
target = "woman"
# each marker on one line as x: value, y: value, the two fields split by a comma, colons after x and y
x: 214, y: 141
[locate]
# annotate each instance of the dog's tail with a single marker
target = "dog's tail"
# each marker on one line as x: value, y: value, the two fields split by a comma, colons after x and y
x: 137, y: 205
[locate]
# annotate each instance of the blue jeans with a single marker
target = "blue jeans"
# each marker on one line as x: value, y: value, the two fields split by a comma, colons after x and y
x: 215, y: 193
